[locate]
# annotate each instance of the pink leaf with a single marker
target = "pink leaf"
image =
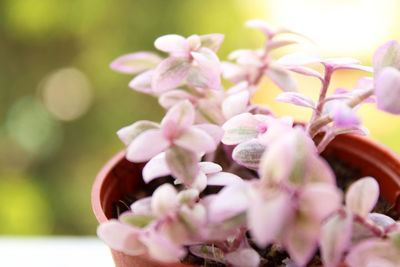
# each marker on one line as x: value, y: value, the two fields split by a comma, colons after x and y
x: 142, y: 206
x: 274, y: 44
x: 195, y: 140
x: 295, y: 99
x: 171, y: 98
x: 233, y: 72
x: 229, y: 202
x: 249, y: 153
x: 244, y: 257
x: 135, y: 62
x: 142, y: 82
x: 155, y: 168
x: 282, y: 77
x: 164, y: 200
x: 209, y: 112
x: 267, y: 217
x: 301, y: 240
x: 147, y: 145
x: 160, y: 247
x: 387, y: 90
x: 173, y: 44
x: 212, y: 41
x: 179, y: 117
x: 299, y: 59
x: 213, y: 130
x: 263, y: 26
x: 129, y: 133
x: 223, y: 179
x: 246, y: 57
x: 209, y: 167
x: 207, y: 73
x: 320, y: 200
x: 335, y: 238
x: 340, y: 61
x: 235, y: 104
x: 388, y: 55
x: 343, y: 116
x: 381, y: 220
x: 362, y: 196
x: 355, y: 67
x: 183, y: 164
x: 373, y: 252
x: 169, y: 73
x: 306, y: 71
x: 320, y: 171
x: 121, y: 237
x: 240, y: 128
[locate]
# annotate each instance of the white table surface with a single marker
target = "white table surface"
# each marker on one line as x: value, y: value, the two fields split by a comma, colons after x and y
x: 54, y: 252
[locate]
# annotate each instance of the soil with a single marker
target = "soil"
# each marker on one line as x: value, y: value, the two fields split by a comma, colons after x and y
x: 271, y: 256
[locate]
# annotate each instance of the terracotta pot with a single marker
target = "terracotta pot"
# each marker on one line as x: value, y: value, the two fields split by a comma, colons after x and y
x: 119, y: 177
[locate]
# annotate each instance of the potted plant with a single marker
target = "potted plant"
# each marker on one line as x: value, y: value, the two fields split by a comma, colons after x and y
x: 221, y: 181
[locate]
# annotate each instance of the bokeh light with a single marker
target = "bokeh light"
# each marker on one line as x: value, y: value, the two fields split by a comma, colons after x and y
x: 66, y: 93
x: 30, y: 125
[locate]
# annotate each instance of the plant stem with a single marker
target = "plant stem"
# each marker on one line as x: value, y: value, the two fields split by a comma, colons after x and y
x: 315, y: 126
x: 322, y: 95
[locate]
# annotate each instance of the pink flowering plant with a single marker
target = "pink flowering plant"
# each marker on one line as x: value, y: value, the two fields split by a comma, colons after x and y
x: 244, y: 179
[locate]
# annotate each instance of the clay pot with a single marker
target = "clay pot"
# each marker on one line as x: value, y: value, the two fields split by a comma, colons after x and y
x: 119, y: 177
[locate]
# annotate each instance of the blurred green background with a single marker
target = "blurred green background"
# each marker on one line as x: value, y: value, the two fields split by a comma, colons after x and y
x: 60, y: 104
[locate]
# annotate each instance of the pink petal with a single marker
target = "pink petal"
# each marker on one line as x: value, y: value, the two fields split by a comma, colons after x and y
x: 267, y: 217
x: 155, y: 168
x: 235, y: 104
x: 142, y: 82
x: 183, y: 164
x: 135, y: 62
x: 147, y: 145
x: 249, y: 153
x: 387, y: 90
x: 179, y: 117
x: 295, y: 99
x: 171, y: 98
x: 261, y: 25
x: 388, y: 55
x: 244, y: 257
x: 121, y: 237
x: 164, y: 200
x: 299, y: 59
x: 320, y: 200
x: 173, y: 44
x: 282, y: 77
x: 195, y: 140
x: 240, y: 128
x: 362, y: 196
x: 228, y: 203
x: 162, y: 248
x: 169, y: 73
x: 213, y: 130
x: 209, y: 167
x: 129, y: 133
x: 335, y: 238
x: 223, y: 179
x: 212, y: 41
x: 207, y: 73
